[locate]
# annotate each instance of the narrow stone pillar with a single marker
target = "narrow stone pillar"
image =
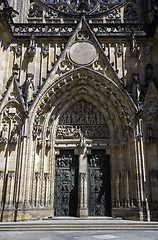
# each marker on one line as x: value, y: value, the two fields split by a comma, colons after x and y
x: 82, y: 206
x: 1, y: 186
x: 144, y: 211
x: 10, y: 189
x: 38, y: 178
x: 117, y: 189
x: 127, y: 199
x: 82, y: 187
x: 46, y: 189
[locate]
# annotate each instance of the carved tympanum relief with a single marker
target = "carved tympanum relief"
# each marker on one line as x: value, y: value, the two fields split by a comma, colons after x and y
x: 82, y: 119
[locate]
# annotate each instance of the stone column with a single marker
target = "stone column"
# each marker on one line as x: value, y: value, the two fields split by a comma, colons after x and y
x: 37, y: 193
x: 117, y: 189
x: 46, y: 189
x: 82, y: 206
x: 10, y: 189
x: 126, y: 186
x: 82, y: 187
x: 1, y: 186
x: 144, y: 210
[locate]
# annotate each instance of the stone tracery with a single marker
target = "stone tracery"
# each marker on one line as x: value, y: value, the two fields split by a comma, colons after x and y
x: 90, y: 7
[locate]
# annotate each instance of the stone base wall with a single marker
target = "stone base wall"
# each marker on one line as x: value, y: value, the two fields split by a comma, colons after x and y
x: 126, y: 213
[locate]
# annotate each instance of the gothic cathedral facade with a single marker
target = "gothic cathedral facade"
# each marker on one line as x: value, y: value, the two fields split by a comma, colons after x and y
x: 78, y: 109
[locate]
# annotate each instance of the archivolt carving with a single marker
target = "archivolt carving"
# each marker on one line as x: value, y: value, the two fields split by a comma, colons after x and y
x: 83, y: 114
x: 37, y: 131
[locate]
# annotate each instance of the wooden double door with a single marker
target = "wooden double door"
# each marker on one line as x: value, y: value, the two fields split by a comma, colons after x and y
x: 99, y: 187
x: 66, y: 184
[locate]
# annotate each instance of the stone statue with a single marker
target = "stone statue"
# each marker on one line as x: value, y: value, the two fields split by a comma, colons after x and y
x: 31, y: 50
x: 28, y: 87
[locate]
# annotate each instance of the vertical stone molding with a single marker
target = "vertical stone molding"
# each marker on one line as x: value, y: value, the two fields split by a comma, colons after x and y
x: 10, y: 189
x: 154, y: 187
x: 126, y: 186
x: 118, y: 176
x: 46, y: 189
x: 83, y: 199
x: 1, y: 187
x: 37, y: 189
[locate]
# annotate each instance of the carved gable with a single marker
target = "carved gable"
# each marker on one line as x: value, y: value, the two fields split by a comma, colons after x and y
x: 13, y: 94
x: 152, y: 93
x: 83, y: 50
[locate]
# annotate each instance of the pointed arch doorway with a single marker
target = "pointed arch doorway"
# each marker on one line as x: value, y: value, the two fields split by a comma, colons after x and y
x: 82, y: 171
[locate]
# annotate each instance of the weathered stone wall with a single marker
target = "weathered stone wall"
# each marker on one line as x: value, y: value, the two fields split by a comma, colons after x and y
x: 43, y: 85
x: 46, y: 54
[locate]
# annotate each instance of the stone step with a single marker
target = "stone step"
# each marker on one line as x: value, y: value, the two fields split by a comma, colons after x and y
x: 79, y: 219
x: 78, y: 229
x: 79, y: 225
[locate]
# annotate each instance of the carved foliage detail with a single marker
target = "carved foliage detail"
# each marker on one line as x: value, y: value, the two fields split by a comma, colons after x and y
x: 35, y: 11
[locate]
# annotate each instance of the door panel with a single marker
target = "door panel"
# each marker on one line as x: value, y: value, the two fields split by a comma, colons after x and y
x: 99, y: 183
x: 66, y: 184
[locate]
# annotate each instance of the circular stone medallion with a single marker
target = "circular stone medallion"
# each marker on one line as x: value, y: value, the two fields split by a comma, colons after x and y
x: 82, y: 53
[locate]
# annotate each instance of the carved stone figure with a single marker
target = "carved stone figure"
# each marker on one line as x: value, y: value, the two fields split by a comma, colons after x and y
x: 148, y: 73
x: 134, y: 47
x: 31, y: 50
x: 28, y: 88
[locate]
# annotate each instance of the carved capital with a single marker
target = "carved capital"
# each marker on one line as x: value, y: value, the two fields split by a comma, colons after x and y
x: 11, y: 175
x: 37, y: 175
x: 46, y: 176
x: 17, y: 49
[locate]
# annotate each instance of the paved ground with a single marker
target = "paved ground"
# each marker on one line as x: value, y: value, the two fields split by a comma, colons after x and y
x: 129, y: 235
